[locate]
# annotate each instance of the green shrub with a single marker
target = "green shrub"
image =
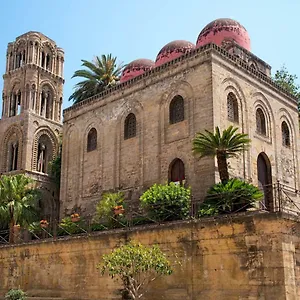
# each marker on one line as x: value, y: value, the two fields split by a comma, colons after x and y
x: 15, y: 295
x: 167, y: 202
x: 104, y: 208
x: 66, y: 226
x: 233, y: 196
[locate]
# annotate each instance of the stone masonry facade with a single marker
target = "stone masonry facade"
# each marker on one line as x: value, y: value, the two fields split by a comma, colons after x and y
x: 136, y: 143
x: 31, y: 113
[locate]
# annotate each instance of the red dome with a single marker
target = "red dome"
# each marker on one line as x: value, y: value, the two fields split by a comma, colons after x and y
x: 135, y: 68
x: 224, y: 31
x: 172, y: 51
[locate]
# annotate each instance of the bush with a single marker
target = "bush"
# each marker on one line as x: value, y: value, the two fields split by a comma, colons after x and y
x: 233, y: 196
x: 104, y: 208
x: 167, y: 202
x: 66, y: 226
x: 15, y: 295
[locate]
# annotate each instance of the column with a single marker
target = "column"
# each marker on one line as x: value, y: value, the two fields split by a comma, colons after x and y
x: 62, y: 67
x: 7, y: 62
x: 53, y: 110
x: 45, y: 105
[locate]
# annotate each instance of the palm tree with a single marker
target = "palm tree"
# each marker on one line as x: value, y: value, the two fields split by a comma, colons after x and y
x: 223, y: 146
x: 99, y: 74
x: 18, y: 202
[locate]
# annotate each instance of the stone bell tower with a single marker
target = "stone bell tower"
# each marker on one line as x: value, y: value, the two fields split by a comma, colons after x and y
x: 31, y: 112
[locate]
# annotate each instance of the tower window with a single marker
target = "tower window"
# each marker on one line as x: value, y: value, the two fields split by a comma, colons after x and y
x: 232, y: 108
x: 130, y: 126
x: 286, y: 141
x: 92, y: 140
x: 13, y: 156
x: 176, y: 110
x: 44, y: 153
x: 261, y: 127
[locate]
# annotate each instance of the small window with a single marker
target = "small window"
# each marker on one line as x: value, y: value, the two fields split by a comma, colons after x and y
x: 232, y: 108
x: 286, y: 141
x: 176, y: 171
x: 176, y: 110
x: 92, y: 140
x: 261, y: 122
x: 130, y: 126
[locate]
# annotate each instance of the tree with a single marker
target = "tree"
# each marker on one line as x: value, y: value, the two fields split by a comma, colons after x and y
x: 287, y: 81
x: 136, y: 265
x: 18, y: 202
x: 55, y: 165
x: 99, y: 74
x: 223, y: 146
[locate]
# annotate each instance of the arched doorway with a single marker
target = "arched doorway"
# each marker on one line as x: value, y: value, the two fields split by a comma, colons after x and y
x: 264, y: 176
x: 176, y: 171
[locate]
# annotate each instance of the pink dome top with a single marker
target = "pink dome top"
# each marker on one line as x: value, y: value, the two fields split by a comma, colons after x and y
x: 172, y: 51
x: 222, y: 32
x: 135, y: 68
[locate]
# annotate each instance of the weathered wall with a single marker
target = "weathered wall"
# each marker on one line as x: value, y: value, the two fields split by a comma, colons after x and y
x: 204, y: 80
x: 254, y: 256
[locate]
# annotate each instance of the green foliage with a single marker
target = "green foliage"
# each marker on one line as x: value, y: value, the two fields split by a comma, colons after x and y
x: 55, y: 165
x: 287, y: 81
x: 35, y: 228
x: 167, y: 202
x: 15, y: 295
x: 233, y: 196
x: 98, y: 75
x: 18, y: 201
x: 66, y: 226
x: 136, y: 265
x: 223, y: 145
x: 104, y: 208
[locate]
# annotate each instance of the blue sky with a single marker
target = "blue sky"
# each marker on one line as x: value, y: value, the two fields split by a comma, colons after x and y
x: 139, y: 28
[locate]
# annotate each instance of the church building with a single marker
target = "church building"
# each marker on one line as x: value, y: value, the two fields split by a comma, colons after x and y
x: 140, y: 132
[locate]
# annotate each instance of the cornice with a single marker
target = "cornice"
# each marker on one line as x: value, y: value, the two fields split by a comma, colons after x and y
x: 206, y: 49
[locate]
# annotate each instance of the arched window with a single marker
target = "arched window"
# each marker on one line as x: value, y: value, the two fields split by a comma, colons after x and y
x: 92, y: 140
x: 261, y: 127
x: 13, y: 156
x: 130, y: 126
x: 232, y: 108
x: 286, y: 140
x: 46, y: 107
x: 44, y: 153
x: 176, y: 171
x: 176, y: 110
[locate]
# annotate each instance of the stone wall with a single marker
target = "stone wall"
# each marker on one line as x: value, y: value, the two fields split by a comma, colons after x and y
x: 238, y: 257
x: 204, y: 80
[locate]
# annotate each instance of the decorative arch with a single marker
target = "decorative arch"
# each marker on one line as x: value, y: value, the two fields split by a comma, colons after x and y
x: 12, y: 145
x: 45, y: 147
x: 47, y: 100
x: 286, y: 117
x: 263, y: 105
x: 231, y: 85
x: 15, y: 99
x: 20, y: 53
x: 182, y: 88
